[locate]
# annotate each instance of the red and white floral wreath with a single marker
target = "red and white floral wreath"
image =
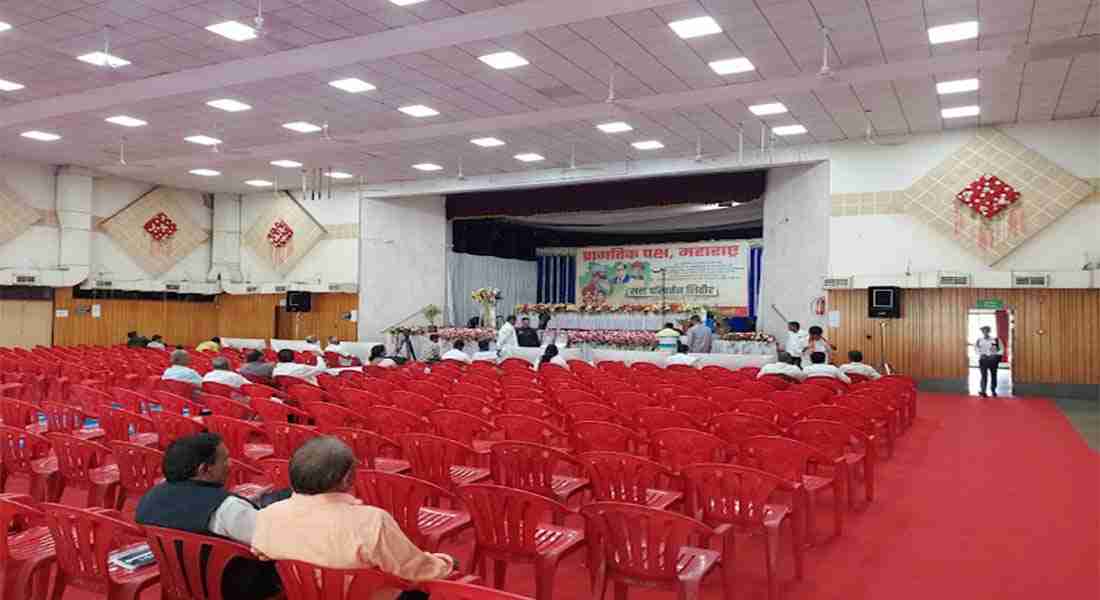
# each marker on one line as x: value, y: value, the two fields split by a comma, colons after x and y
x: 161, y: 227
x: 280, y: 234
x: 988, y: 196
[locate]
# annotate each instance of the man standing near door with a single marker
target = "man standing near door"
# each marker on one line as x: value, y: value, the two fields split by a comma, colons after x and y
x: 989, y: 358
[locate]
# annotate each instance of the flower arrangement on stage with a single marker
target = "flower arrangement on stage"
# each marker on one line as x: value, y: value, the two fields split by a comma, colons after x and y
x: 466, y: 334
x: 486, y: 296
x: 749, y: 336
x: 630, y: 340
x: 605, y: 308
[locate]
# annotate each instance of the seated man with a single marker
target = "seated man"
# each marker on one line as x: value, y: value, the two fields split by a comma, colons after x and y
x: 433, y: 354
x: 213, y: 344
x: 528, y: 337
x: 857, y: 367
x: 255, y: 365
x: 457, y: 353
x: 681, y: 357
x: 483, y: 353
x: 156, y: 343
x: 785, y: 367
x: 322, y: 523
x: 819, y: 368
x: 222, y: 374
x: 181, y: 370
x: 288, y: 367
x: 378, y: 358
x: 193, y: 498
x: 312, y: 345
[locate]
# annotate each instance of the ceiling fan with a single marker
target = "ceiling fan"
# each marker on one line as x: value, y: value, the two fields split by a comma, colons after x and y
x: 326, y: 134
x: 120, y: 156
x: 875, y: 140
x: 258, y: 20
x: 825, y: 72
x: 574, y: 169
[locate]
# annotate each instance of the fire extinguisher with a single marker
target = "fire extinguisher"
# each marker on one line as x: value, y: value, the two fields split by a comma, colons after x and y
x: 818, y: 306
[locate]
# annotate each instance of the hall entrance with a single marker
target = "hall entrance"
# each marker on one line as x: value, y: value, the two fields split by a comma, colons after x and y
x: 1002, y: 324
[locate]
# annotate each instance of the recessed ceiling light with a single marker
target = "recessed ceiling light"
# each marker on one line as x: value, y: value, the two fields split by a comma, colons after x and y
x: 42, y: 136
x: 229, y: 105
x: 614, y: 127
x: 503, y: 60
x: 729, y: 66
x: 529, y: 157
x: 259, y: 183
x: 771, y: 108
x: 697, y: 27
x: 419, y: 110
x: 405, y: 2
x: 648, y: 145
x: 10, y: 86
x: 960, y: 111
x: 487, y: 142
x: 4, y: 26
x: 286, y: 164
x: 234, y: 30
x: 427, y: 167
x: 953, y: 33
x: 956, y: 87
x: 339, y: 175
x: 125, y: 121
x: 352, y: 85
x: 789, y: 130
x: 102, y: 59
x: 202, y: 140
x: 205, y: 172
x: 302, y: 127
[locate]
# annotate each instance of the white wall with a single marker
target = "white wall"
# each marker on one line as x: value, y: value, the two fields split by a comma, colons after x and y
x: 34, y: 185
x: 403, y: 265
x: 796, y: 239
x: 889, y: 244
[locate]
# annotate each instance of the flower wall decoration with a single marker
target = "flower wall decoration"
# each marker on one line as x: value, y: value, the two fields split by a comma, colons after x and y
x: 161, y: 227
x: 988, y: 195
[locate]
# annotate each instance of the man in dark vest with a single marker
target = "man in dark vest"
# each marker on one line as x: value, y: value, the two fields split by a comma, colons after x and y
x: 193, y: 498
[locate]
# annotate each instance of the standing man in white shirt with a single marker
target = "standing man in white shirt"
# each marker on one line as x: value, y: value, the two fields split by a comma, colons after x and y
x: 288, y: 367
x: 222, y: 374
x: 784, y: 367
x: 819, y: 368
x: 506, y: 337
x: 989, y: 359
x: 796, y: 343
x: 457, y: 352
x: 856, y: 366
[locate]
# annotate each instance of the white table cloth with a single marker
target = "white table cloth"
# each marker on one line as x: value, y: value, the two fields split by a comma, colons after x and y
x: 729, y: 361
x: 244, y: 343
x: 724, y: 347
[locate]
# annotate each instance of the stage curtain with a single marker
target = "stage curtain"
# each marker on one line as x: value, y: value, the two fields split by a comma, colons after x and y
x: 756, y: 265
x: 557, y: 279
x: 516, y: 279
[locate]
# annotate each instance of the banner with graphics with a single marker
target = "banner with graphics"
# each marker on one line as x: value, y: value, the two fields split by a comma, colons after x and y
x: 710, y: 273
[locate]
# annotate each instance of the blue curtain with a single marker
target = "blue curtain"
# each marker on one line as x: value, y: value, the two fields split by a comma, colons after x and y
x: 557, y: 279
x: 756, y: 255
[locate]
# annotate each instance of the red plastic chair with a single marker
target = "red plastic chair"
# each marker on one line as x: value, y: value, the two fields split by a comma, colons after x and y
x: 819, y: 394
x: 790, y: 402
x: 174, y: 403
x: 883, y: 418
x: 305, y: 581
x: 726, y: 397
x: 590, y: 411
x: 330, y: 383
x: 124, y: 426
x: 361, y: 400
x: 28, y: 455
x: 835, y: 386
x: 621, y: 477
x: 378, y: 386
x: 735, y: 427
x: 414, y: 504
x: 794, y: 461
x: 740, y: 496
x: 468, y: 388
x: 478, y: 406
x: 677, y: 447
x: 849, y: 416
x: 700, y: 408
x: 131, y: 400
x: 286, y: 438
x: 755, y: 389
x: 304, y: 393
x: 759, y: 408
x: 444, y: 462
x: 522, y: 536
x: 260, y: 390
x: 84, y: 540
x: 527, y: 429
x: 67, y: 418
x: 226, y: 406
x: 850, y: 449
x: 139, y: 469
x: 170, y: 427
x: 247, y: 480
x: 178, y: 553
x: 778, y: 382
x: 88, y: 398
x: 653, y: 418
x: 182, y: 389
x: 567, y: 397
x: 454, y: 590
x: 425, y: 388
x: 392, y: 422
x: 83, y: 464
x: 26, y: 549
x: 534, y: 408
x: 329, y: 416
x: 415, y: 402
x: 275, y: 411
x: 462, y: 427
x: 17, y: 413
x: 537, y: 468
x: 221, y: 389
x: 590, y: 436
x: 377, y: 452
x: 628, y: 403
x: 245, y: 440
x: 675, y: 555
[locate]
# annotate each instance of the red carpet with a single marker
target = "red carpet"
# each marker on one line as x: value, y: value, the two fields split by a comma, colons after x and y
x: 984, y: 499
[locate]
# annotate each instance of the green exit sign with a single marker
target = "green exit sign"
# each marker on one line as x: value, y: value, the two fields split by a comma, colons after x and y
x: 991, y: 303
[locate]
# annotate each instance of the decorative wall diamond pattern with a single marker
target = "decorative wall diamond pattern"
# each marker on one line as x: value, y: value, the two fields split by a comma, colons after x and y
x: 1047, y: 192
x: 127, y: 229
x: 307, y: 232
x: 15, y: 216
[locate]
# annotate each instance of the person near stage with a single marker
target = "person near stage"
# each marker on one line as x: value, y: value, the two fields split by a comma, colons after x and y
x: 816, y: 342
x: 551, y: 356
x: 289, y: 368
x: 313, y: 345
x: 457, y: 352
x: 156, y: 343
x: 819, y: 368
x: 796, y: 343
x: 324, y: 524
x: 255, y: 365
x: 681, y: 357
x: 526, y: 335
x: 133, y: 340
x: 483, y: 353
x: 180, y: 369
x: 784, y: 367
x: 506, y: 337
x: 378, y: 358
x: 856, y: 366
x: 434, y: 352
x: 193, y: 498
x: 990, y: 354
x: 668, y: 338
x: 336, y: 347
x: 213, y: 344
x: 699, y: 337
x: 223, y: 374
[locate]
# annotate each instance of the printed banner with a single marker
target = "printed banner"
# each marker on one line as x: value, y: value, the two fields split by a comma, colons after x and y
x: 710, y: 273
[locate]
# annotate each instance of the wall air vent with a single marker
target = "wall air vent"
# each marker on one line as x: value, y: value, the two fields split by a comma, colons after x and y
x: 1030, y: 280
x: 103, y: 283
x: 251, y: 289
x: 280, y: 289
x: 172, y: 287
x: 954, y: 280
x: 25, y: 279
x: 837, y: 283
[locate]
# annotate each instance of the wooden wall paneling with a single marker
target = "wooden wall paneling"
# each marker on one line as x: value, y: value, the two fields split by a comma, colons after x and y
x: 182, y: 323
x: 248, y: 316
x: 26, y: 323
x: 324, y: 320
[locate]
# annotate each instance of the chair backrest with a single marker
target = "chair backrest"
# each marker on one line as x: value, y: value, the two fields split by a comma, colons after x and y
x: 592, y: 411
x: 15, y: 512
x: 235, y: 433
x: 791, y: 401
x: 260, y: 390
x: 220, y: 389
x: 62, y: 418
x: 191, y: 565
x: 361, y: 400
x: 274, y: 411
x: 625, y: 528
x: 19, y: 447
x: 735, y: 427
x: 75, y: 457
x: 628, y: 403
x: 330, y: 383
x: 759, y: 408
x: 455, y: 590
x: 139, y: 468
x: 170, y: 427
x: 528, y: 429
x: 834, y: 386
x: 329, y: 415
x: 776, y: 381
x: 119, y: 424
x: 820, y: 393
x: 287, y: 437
x: 378, y: 386
x: 532, y: 408
x: 622, y: 477
x: 367, y: 445
x: 530, y: 466
x: 401, y: 496
x: 678, y: 447
x: 726, y: 397
x: 833, y: 438
x: 392, y: 422
x: 431, y: 390
x: 432, y: 457
x: 175, y: 403
x: 701, y: 409
x: 591, y: 436
x: 303, y: 393
x: 755, y: 389
x: 305, y: 581
x: 89, y: 398
x: 459, y: 426
x: 507, y: 519
x: 84, y: 539
x: 567, y: 397
x: 841, y: 414
x: 723, y: 493
x: 131, y: 400
x: 179, y: 388
x: 225, y: 405
x: 18, y: 413
x: 780, y: 456
x: 475, y: 405
x: 415, y: 402
x: 652, y: 418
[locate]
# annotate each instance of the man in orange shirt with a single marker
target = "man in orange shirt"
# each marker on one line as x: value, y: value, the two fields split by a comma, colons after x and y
x: 323, y: 524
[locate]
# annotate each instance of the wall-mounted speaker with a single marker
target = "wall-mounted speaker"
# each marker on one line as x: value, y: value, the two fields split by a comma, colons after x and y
x: 299, y: 301
x: 884, y: 302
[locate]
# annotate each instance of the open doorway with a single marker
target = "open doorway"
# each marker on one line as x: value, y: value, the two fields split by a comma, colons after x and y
x: 1001, y: 323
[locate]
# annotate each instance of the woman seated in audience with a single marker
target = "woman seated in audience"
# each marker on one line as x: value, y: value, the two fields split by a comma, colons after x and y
x: 551, y: 356
x: 378, y: 358
x: 213, y: 344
